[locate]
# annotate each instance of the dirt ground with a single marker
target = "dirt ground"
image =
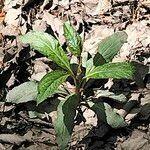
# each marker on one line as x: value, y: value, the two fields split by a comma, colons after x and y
x: 25, y: 126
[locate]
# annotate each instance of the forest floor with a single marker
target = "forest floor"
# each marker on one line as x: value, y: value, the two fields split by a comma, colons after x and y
x: 25, y: 126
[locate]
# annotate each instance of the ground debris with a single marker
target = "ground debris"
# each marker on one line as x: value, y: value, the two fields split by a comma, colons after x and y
x: 28, y: 126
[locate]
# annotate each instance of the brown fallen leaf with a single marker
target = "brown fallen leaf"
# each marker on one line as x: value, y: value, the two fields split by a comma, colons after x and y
x: 90, y: 116
x: 137, y: 141
x: 56, y: 25
x: 145, y: 3
x: 2, y: 147
x: 5, y: 108
x: 93, y: 39
x: 132, y: 114
x: 103, y: 6
x: 2, y: 16
x: 69, y: 87
x: 133, y: 101
x: 39, y: 25
x: 13, y: 19
x: 14, y: 139
x: 39, y: 70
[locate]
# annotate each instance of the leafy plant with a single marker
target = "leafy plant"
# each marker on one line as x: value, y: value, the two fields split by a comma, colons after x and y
x: 96, y: 67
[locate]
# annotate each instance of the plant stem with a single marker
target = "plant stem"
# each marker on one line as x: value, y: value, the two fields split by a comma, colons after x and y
x: 78, y: 78
x: 79, y: 71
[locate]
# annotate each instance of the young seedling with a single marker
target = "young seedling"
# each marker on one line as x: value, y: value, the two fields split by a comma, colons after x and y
x: 98, y: 66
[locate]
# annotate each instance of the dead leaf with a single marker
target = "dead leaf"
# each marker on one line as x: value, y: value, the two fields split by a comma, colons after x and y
x: 2, y: 147
x: 103, y: 6
x: 45, y: 3
x: 11, y: 81
x: 5, y: 108
x: 137, y: 141
x: 13, y: 139
x: 39, y: 70
x: 39, y: 25
x: 2, y: 16
x: 90, y: 116
x: 145, y: 3
x: 69, y: 87
x: 93, y: 39
x: 12, y: 19
x: 64, y: 3
x: 56, y: 25
x: 80, y: 132
x: 138, y: 35
x: 90, y: 6
x: 132, y: 114
x: 10, y: 30
x: 133, y: 101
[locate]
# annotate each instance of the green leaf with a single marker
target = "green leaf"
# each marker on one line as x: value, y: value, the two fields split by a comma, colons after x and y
x: 93, y: 62
x: 73, y: 39
x: 98, y: 60
x: 110, y: 46
x: 84, y: 59
x: 105, y: 112
x: 117, y: 97
x: 50, y: 83
x: 65, y: 120
x: 23, y: 93
x: 112, y: 70
x: 48, y: 46
x: 89, y: 66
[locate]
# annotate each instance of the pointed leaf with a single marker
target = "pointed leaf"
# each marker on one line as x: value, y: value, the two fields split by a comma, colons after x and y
x: 65, y: 120
x: 23, y: 93
x: 110, y: 46
x: 50, y: 83
x: 48, y: 46
x: 112, y: 70
x: 105, y: 112
x: 73, y: 39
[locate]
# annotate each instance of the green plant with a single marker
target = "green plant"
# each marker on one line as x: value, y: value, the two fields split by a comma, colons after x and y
x: 98, y: 66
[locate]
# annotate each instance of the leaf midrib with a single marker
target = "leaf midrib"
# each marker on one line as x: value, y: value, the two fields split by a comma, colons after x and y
x: 98, y: 72
x: 104, y: 52
x: 74, y: 39
x: 56, y: 54
x: 54, y: 81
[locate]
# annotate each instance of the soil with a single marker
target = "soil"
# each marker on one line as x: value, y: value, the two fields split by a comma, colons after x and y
x: 26, y: 126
